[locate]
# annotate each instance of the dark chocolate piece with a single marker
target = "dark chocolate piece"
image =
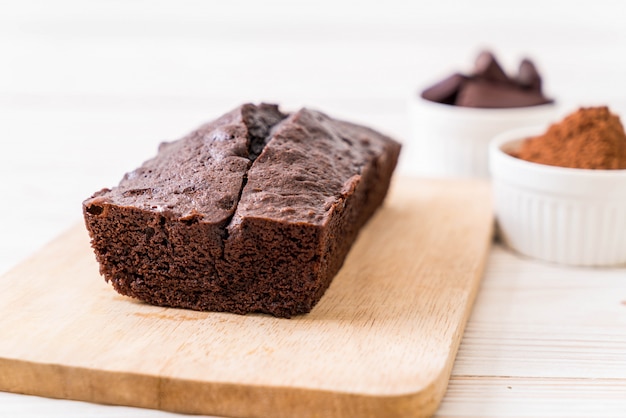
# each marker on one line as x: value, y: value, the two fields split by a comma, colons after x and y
x: 528, y: 76
x: 254, y: 212
x: 446, y: 90
x: 489, y: 86
x: 482, y: 94
x: 487, y: 68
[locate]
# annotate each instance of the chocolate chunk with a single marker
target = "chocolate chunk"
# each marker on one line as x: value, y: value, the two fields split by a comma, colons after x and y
x: 480, y: 93
x: 446, y: 90
x: 528, y: 76
x: 489, y: 86
x: 487, y: 68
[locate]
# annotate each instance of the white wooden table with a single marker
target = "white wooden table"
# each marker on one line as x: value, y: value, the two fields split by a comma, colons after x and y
x: 88, y: 90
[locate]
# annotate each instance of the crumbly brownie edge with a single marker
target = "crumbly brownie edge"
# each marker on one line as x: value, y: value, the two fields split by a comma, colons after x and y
x: 164, y: 258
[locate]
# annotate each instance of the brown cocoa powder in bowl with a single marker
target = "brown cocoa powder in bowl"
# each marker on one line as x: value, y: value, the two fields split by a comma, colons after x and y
x: 591, y: 138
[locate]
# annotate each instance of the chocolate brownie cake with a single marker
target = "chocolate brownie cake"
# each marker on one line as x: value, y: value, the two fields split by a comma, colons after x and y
x: 253, y: 212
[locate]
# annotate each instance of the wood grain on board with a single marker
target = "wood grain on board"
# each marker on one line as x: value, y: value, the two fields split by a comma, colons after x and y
x: 381, y: 342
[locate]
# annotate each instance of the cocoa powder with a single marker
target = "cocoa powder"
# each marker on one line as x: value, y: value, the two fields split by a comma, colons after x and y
x: 591, y: 138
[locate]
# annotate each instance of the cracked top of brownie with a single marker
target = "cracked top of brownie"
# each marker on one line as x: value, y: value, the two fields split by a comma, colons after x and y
x: 201, y: 175
x: 225, y: 168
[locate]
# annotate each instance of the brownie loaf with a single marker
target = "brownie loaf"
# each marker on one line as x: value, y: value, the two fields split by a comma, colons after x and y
x: 254, y: 212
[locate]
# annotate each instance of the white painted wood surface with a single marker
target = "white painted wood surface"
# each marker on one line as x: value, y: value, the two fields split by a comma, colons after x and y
x: 80, y: 81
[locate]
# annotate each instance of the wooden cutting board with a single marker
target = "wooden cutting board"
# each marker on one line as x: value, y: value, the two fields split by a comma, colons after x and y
x: 381, y: 343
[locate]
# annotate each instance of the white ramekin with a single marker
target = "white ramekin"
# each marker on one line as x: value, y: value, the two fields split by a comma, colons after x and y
x: 562, y: 215
x: 452, y: 141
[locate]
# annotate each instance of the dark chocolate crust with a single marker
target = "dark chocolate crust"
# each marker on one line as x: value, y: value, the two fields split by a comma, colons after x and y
x: 254, y: 212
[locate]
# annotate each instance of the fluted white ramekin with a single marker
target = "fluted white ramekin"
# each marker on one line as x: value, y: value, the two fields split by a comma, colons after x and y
x: 562, y: 215
x: 452, y: 141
